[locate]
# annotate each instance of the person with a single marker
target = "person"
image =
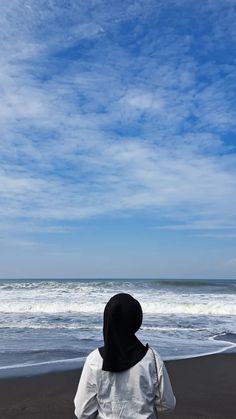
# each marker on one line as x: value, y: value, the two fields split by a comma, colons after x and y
x: 123, y: 379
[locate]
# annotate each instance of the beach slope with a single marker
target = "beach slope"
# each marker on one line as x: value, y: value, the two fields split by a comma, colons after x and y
x: 205, y: 388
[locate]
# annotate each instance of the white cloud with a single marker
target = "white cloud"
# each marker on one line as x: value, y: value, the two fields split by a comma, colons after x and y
x: 218, y: 236
x: 203, y: 225
x: 143, y: 101
x: 110, y: 130
x: 231, y: 263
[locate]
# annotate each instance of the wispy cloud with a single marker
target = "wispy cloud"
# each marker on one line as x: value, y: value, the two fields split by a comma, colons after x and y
x: 107, y: 107
x: 231, y: 263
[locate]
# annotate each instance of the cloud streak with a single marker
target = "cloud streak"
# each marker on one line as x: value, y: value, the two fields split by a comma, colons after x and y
x: 102, y: 115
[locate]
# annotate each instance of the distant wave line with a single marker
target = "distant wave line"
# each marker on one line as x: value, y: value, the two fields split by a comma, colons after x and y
x: 159, y: 308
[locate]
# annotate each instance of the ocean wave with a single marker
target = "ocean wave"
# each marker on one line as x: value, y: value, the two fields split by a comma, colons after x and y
x: 112, y: 284
x: 48, y: 326
x: 88, y: 327
x: 206, y: 307
x: 191, y: 308
x: 226, y: 337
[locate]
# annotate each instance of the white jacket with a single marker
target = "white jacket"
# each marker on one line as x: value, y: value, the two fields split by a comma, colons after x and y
x: 136, y: 393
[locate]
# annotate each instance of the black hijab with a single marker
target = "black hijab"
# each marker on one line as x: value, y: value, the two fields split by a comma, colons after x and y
x: 122, y: 349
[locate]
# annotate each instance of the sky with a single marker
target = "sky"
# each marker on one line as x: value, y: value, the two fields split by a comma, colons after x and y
x: 118, y: 147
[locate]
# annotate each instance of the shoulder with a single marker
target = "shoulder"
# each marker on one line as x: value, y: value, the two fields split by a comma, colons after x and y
x: 94, y: 359
x: 154, y: 356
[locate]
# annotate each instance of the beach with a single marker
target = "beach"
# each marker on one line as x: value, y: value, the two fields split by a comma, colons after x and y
x: 50, y: 339
x: 205, y: 388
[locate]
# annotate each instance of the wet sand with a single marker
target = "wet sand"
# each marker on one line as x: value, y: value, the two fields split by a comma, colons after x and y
x: 205, y: 388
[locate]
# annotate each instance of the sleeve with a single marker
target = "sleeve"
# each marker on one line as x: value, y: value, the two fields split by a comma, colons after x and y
x: 85, y: 400
x: 165, y: 400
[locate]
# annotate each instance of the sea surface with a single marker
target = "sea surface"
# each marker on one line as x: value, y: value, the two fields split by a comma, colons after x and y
x: 54, y: 324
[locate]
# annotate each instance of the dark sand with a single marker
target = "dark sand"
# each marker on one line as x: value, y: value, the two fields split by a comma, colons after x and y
x: 205, y: 387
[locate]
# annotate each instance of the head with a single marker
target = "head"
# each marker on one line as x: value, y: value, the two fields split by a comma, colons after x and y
x: 124, y: 314
x: 122, y: 349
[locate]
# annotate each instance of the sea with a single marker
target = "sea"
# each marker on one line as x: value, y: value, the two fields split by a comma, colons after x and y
x: 48, y: 325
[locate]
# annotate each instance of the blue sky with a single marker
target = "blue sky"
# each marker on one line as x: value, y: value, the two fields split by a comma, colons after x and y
x: 118, y: 149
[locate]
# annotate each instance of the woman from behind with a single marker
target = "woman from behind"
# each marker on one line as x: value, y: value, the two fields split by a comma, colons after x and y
x: 124, y: 379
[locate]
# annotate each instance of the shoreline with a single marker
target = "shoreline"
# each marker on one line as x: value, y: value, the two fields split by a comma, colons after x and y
x: 205, y: 388
x: 70, y: 364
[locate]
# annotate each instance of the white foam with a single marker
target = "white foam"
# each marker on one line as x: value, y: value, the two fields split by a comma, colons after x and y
x: 169, y: 328
x: 89, y: 297
x: 23, y: 370
x: 48, y: 326
x: 200, y: 354
x: 32, y: 369
x: 207, y: 307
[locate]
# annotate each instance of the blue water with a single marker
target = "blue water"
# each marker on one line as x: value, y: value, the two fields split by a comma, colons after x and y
x: 43, y: 322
